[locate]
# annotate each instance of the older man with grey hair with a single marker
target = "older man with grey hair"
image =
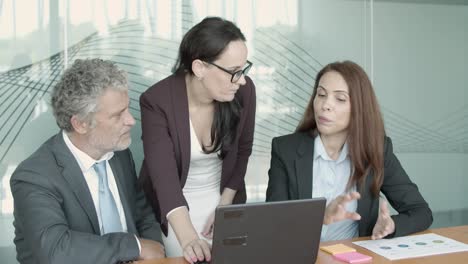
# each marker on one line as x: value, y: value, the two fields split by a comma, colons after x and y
x: 76, y: 198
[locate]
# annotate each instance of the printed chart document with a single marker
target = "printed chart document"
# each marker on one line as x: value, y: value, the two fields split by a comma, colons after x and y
x: 413, y: 246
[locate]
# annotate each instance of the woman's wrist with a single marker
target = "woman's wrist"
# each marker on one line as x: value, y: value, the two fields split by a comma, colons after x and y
x: 189, y: 239
x: 227, y: 196
x: 182, y: 225
x: 225, y: 202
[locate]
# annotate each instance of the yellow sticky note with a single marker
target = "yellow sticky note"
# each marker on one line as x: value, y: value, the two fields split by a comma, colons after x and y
x: 337, y: 249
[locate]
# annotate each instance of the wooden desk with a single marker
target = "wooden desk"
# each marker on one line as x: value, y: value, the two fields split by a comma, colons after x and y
x: 459, y: 233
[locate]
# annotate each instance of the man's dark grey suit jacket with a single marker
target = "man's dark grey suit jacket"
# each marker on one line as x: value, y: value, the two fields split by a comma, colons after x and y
x: 55, y: 218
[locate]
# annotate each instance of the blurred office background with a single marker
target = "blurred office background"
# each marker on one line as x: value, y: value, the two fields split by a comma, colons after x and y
x: 415, y: 52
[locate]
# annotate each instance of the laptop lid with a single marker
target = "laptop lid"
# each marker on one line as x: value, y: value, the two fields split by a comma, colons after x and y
x: 272, y: 232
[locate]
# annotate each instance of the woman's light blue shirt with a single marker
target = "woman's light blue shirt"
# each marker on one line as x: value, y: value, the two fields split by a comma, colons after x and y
x: 330, y: 178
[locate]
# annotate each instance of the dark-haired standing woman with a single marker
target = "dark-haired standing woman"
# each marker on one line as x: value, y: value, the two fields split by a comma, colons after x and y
x: 198, y: 127
x: 340, y: 151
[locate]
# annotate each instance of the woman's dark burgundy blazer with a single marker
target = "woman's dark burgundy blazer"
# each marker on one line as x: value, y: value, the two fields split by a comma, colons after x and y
x: 166, y: 144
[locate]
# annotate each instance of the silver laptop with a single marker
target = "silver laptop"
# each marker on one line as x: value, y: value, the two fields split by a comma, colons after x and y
x: 273, y: 232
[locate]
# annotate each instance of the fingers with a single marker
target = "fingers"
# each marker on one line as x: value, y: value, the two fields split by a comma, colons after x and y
x: 346, y: 198
x: 197, y: 250
x: 202, y: 250
x: 353, y: 196
x: 189, y: 254
x: 207, y: 231
x: 206, y: 250
x: 385, y: 224
x: 377, y: 232
x: 381, y: 232
x: 336, y: 210
x: 208, y: 235
x: 353, y: 216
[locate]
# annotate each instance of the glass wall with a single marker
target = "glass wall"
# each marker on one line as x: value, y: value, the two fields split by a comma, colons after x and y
x: 416, y: 53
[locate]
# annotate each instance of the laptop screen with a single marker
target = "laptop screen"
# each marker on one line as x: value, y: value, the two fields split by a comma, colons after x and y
x: 273, y: 232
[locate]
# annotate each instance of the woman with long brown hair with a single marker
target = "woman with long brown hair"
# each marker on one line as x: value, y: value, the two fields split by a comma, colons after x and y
x: 340, y: 151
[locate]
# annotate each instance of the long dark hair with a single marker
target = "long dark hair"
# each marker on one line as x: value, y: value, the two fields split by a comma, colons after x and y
x: 366, y: 130
x: 206, y: 41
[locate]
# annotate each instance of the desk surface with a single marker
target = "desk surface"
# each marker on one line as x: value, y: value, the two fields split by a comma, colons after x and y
x: 459, y: 233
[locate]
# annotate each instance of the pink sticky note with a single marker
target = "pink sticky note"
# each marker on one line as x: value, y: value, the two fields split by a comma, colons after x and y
x: 353, y: 257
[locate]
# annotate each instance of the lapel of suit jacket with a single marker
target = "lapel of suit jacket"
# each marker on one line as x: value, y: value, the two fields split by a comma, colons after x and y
x: 364, y: 208
x: 182, y: 120
x: 231, y: 157
x: 123, y: 192
x: 304, y: 163
x: 71, y: 171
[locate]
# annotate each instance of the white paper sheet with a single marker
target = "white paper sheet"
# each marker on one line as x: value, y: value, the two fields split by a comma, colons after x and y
x: 413, y: 246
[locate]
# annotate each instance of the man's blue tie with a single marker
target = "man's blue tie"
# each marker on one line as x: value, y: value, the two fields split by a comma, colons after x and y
x: 109, y: 214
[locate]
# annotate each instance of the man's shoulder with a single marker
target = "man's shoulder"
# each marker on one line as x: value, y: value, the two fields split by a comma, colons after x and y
x: 40, y: 162
x: 43, y: 153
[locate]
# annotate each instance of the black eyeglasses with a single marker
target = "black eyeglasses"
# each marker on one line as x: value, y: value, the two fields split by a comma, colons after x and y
x: 235, y: 76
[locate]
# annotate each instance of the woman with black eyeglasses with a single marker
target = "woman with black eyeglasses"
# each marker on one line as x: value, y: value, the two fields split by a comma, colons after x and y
x: 197, y: 127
